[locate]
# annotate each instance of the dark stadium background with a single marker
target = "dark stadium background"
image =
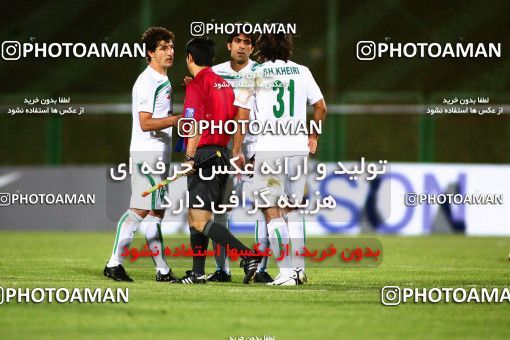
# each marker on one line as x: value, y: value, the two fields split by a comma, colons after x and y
x: 327, y: 35
x: 377, y: 110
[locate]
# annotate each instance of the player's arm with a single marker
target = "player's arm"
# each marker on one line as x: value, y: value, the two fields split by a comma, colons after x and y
x: 319, y: 116
x: 243, y: 114
x: 244, y: 102
x: 314, y: 97
x: 147, y: 123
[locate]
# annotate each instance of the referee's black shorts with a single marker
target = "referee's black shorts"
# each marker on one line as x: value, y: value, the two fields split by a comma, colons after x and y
x: 212, y: 190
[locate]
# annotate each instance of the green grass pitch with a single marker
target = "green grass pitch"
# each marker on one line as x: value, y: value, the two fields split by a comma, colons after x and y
x: 336, y: 303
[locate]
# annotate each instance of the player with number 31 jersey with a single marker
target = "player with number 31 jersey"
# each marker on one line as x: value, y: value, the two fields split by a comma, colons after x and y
x: 279, y: 95
x: 281, y: 92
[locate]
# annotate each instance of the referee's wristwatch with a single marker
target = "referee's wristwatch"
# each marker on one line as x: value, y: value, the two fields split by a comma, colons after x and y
x: 189, y: 158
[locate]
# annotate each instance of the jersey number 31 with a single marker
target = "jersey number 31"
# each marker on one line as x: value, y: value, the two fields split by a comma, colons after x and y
x: 280, y: 109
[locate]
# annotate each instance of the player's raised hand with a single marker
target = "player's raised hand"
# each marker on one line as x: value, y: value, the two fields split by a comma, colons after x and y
x: 186, y: 81
x: 312, y: 144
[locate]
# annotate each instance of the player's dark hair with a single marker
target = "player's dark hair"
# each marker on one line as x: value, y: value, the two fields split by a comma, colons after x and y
x: 153, y: 36
x: 274, y: 46
x: 237, y: 31
x: 202, y: 50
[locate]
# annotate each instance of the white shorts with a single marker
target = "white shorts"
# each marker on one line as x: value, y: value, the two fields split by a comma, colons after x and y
x: 141, y: 182
x: 285, y: 184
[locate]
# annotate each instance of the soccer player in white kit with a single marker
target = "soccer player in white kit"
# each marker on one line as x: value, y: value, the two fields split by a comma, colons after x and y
x: 235, y: 72
x: 280, y: 94
x: 151, y: 139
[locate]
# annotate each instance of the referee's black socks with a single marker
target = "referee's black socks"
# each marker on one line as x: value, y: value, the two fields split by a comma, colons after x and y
x: 199, y: 242
x: 220, y: 234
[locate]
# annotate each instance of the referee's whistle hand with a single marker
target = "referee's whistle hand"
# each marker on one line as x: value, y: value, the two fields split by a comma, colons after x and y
x: 240, y: 161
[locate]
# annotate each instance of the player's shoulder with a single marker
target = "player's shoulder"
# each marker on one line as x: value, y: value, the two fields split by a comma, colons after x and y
x: 300, y: 70
x: 300, y: 67
x: 225, y: 72
x: 221, y: 68
x: 195, y: 87
x: 146, y: 79
x: 254, y: 66
x: 209, y: 77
